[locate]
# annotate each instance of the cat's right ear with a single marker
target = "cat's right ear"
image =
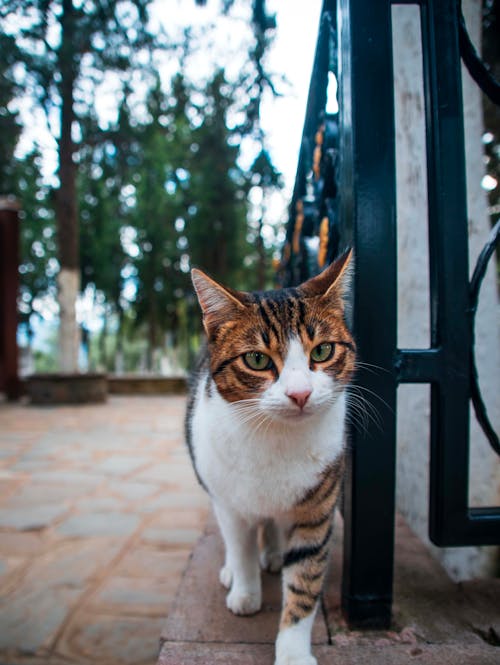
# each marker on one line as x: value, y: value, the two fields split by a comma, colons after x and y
x: 218, y: 303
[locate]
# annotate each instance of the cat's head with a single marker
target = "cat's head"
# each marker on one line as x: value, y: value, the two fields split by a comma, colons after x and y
x: 289, y: 349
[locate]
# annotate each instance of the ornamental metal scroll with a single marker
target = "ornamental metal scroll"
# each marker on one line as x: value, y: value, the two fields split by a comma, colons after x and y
x: 475, y: 66
x: 475, y: 285
x: 479, y: 72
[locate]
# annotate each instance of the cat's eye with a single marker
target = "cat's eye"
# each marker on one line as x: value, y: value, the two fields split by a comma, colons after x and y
x: 257, y: 360
x: 322, y: 352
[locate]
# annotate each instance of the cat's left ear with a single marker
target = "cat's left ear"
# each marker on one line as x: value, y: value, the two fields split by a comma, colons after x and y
x: 334, y: 281
x: 218, y: 303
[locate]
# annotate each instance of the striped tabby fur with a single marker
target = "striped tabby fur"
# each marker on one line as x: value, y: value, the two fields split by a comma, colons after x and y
x: 265, y: 431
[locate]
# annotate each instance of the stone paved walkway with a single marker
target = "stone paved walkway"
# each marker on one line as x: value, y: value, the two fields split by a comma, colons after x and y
x: 99, y: 510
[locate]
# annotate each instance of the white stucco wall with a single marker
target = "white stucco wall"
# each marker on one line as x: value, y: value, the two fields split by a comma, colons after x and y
x: 413, y: 298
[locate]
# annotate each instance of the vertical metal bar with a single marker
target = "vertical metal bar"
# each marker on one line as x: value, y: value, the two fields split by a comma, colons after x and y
x: 369, y: 208
x: 448, y: 254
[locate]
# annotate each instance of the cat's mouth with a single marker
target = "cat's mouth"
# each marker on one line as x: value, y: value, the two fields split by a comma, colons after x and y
x: 295, y: 414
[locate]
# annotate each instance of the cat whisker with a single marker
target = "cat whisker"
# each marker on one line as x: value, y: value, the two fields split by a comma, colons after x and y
x: 374, y: 394
x: 358, y: 418
x: 370, y: 367
x: 361, y: 407
x: 368, y: 408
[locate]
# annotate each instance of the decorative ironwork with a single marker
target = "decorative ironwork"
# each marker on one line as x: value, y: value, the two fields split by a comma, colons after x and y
x: 479, y: 72
x: 475, y: 66
x: 475, y: 286
x: 344, y: 194
x: 313, y: 241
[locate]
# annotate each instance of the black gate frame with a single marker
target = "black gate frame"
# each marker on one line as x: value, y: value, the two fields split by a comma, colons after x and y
x: 368, y: 223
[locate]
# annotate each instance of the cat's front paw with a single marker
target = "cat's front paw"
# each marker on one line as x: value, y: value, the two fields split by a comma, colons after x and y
x: 296, y: 660
x: 244, y: 601
x: 226, y: 577
x: 271, y: 561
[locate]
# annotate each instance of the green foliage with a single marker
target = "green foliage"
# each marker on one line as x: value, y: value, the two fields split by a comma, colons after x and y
x: 159, y: 203
x: 9, y: 124
x: 102, y: 179
x: 39, y: 266
x: 216, y: 215
x: 147, y: 196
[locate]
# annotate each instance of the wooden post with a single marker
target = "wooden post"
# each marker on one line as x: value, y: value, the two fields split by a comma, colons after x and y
x: 9, y: 286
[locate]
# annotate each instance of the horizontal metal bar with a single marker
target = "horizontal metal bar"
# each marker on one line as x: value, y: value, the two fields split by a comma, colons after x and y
x: 418, y: 365
x: 476, y: 526
x: 486, y: 515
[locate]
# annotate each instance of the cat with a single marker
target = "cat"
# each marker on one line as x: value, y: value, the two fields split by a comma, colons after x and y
x: 265, y: 428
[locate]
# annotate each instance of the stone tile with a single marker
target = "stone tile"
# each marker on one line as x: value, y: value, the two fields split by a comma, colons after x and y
x: 99, y: 504
x: 32, y: 612
x: 18, y: 439
x: 190, y: 518
x: 153, y: 562
x: 64, y: 476
x: 30, y: 618
x: 49, y: 445
x: 79, y: 455
x: 7, y: 487
x: 11, y: 564
x: 160, y: 472
x: 72, y: 563
x: 171, y: 537
x: 13, y: 543
x: 120, y: 465
x: 113, y: 640
x: 85, y: 525
x: 132, y: 490
x: 136, y: 595
x: 8, y: 450
x: 35, y: 493
x: 174, y: 500
x: 30, y: 466
x: 32, y: 517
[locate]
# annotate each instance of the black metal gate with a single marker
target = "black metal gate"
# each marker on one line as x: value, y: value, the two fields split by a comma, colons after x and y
x: 345, y: 194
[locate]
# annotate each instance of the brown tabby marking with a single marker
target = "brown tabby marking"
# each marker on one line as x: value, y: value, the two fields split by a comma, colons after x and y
x: 308, y: 547
x: 266, y: 324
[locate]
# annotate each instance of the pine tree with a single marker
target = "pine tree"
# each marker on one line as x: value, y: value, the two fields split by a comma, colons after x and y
x: 38, y: 266
x: 93, y: 38
x: 160, y: 179
x: 216, y: 226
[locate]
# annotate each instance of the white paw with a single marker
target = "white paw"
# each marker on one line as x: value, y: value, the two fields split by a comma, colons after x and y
x: 226, y: 577
x: 271, y: 561
x: 296, y: 660
x: 244, y: 602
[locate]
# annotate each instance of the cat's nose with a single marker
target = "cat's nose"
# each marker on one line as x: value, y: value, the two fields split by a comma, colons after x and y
x: 300, y: 397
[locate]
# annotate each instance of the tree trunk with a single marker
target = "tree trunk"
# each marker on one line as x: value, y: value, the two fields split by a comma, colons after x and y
x: 66, y: 201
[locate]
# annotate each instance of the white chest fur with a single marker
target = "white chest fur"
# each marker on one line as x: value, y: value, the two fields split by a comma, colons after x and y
x: 262, y: 470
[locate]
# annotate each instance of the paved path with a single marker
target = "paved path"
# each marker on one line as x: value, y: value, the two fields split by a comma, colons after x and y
x: 99, y: 510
